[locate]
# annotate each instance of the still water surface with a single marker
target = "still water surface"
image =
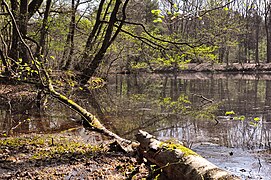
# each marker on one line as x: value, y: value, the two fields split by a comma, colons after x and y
x: 190, y: 108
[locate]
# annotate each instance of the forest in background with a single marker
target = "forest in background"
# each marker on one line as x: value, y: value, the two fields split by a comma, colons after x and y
x: 93, y: 37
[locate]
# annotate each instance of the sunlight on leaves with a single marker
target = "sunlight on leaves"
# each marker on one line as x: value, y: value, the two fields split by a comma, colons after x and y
x: 229, y: 113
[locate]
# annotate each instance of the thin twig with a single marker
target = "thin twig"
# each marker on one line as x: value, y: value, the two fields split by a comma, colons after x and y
x: 260, y: 165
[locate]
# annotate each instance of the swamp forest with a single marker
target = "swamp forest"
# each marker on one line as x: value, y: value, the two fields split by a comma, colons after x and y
x: 135, y: 89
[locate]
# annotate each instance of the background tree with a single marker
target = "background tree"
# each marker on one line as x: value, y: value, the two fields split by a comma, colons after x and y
x: 22, y: 11
x: 94, y: 36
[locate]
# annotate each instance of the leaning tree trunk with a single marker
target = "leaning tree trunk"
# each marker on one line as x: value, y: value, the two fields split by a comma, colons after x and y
x: 177, y: 161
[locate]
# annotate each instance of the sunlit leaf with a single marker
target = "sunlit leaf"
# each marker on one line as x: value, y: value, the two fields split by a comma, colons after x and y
x: 242, y: 118
x: 229, y: 113
x: 156, y: 12
x: 257, y: 119
x: 158, y: 20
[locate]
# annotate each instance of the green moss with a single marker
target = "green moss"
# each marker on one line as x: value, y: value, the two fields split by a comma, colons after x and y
x: 20, y: 141
x: 49, y: 146
x: 173, y: 146
x: 66, y: 147
x: 70, y: 101
x: 63, y: 97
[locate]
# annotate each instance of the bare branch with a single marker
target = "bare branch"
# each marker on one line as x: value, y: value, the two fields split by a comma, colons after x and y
x: 156, y: 38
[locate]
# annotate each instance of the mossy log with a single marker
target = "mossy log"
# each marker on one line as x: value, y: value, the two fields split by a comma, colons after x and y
x: 177, y: 161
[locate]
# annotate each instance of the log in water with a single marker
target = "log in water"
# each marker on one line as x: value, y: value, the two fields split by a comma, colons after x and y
x: 177, y: 161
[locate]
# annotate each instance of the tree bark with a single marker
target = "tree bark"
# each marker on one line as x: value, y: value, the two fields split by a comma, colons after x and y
x: 267, y: 20
x: 22, y: 13
x: 33, y: 7
x: 13, y: 52
x: 2, y: 57
x: 40, y: 48
x: 177, y: 161
x: 69, y: 47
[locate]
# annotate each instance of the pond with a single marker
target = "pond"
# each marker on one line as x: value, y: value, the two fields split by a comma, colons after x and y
x: 224, y: 117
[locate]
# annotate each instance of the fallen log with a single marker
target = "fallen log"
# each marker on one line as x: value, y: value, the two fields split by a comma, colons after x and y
x: 177, y: 161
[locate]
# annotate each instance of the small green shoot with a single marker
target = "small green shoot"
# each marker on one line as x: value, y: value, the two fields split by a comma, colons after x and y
x: 228, y: 113
x: 257, y: 119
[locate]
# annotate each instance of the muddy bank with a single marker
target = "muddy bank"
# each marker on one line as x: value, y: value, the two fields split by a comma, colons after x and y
x: 215, y: 67
x: 205, y: 71
x: 235, y: 67
x: 16, y: 94
x: 67, y: 155
x: 224, y: 75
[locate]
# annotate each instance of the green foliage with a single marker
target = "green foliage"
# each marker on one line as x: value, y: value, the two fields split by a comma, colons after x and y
x: 254, y: 122
x: 241, y: 118
x: 181, y: 105
x: 157, y: 14
x: 25, y: 70
x: 201, y: 53
x: 95, y: 83
x: 139, y: 65
x: 204, y: 53
x: 257, y: 119
x: 206, y: 112
x: 139, y: 97
x: 229, y: 113
x: 175, y: 60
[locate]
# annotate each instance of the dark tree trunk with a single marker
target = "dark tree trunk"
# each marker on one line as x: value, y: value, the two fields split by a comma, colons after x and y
x: 2, y: 57
x: 227, y: 53
x: 13, y: 52
x: 108, y: 39
x: 33, y: 7
x: 268, y: 97
x: 267, y: 23
x: 69, y: 48
x: 257, y: 32
x: 41, y: 47
x: 221, y: 54
x: 22, y: 12
x: 268, y: 36
x: 23, y: 19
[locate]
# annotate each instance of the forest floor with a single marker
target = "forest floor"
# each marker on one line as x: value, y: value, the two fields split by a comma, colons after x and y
x: 60, y: 155
x: 64, y: 156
